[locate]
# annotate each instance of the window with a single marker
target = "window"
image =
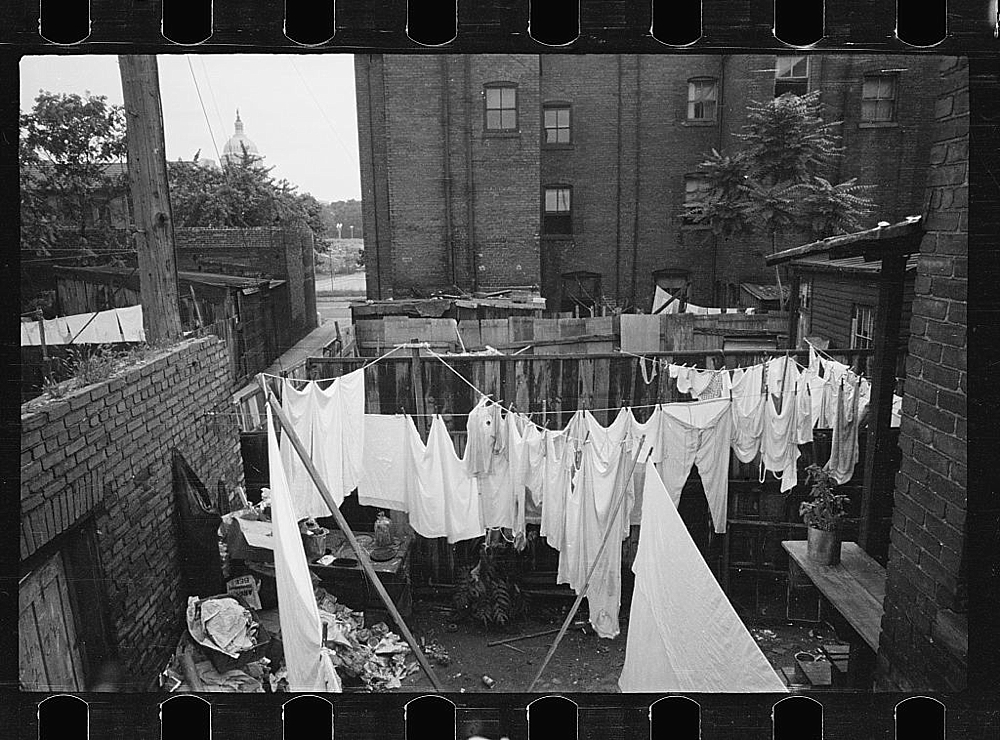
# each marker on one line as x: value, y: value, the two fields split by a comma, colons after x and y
x: 557, y: 216
x: 556, y: 122
x: 501, y: 107
x: 878, y: 99
x: 702, y: 94
x: 791, y: 75
x: 695, y: 190
x: 863, y: 327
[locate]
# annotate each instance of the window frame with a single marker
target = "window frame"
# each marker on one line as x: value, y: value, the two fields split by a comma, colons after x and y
x: 686, y: 219
x: 858, y: 339
x: 789, y: 79
x: 893, y: 77
x: 564, y: 216
x: 557, y: 105
x: 715, y: 108
x: 501, y: 130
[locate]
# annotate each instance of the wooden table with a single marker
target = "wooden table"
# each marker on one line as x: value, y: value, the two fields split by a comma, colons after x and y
x: 855, y: 587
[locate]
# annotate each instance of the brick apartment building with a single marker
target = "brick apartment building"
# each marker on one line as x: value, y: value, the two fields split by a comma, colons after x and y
x: 489, y: 171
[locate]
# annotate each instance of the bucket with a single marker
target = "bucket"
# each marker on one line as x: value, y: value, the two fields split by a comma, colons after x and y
x: 315, y: 544
x: 823, y: 547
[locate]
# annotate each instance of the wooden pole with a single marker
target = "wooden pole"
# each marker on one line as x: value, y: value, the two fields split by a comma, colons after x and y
x: 879, y: 475
x: 361, y: 553
x: 593, y: 566
x: 147, y: 174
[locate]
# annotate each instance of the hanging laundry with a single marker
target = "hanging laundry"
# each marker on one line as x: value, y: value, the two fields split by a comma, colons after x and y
x: 698, y: 434
x: 748, y: 411
x: 300, y: 407
x: 388, y: 471
x: 684, y: 635
x: 557, y: 480
x: 683, y: 375
x: 485, y: 439
x: 308, y: 665
x: 779, y: 445
x: 708, y: 384
x: 844, y: 453
x: 601, y: 498
x: 517, y: 461
x: 442, y: 498
x: 649, y: 432
x: 330, y: 423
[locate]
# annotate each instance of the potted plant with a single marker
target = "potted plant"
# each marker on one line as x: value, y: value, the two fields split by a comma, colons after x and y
x: 823, y: 513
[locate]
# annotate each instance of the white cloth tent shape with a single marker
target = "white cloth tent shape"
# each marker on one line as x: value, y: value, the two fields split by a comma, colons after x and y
x: 309, y: 666
x: 683, y: 633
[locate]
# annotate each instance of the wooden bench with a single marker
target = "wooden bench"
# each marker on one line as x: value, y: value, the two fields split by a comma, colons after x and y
x: 855, y: 587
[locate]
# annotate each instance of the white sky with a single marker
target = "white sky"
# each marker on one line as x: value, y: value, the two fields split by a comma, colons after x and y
x: 299, y: 110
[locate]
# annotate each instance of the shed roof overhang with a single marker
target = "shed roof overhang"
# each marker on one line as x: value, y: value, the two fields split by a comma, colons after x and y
x: 873, y: 244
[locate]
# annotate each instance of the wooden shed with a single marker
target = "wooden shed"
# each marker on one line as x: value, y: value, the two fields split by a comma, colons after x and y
x: 838, y: 299
x: 252, y: 315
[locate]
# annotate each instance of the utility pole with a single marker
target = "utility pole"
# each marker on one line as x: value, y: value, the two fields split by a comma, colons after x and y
x: 147, y: 175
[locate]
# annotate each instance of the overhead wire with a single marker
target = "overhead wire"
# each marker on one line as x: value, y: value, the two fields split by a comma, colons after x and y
x: 204, y: 112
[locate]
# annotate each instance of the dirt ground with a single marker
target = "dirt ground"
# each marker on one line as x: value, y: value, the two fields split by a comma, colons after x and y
x: 583, y: 662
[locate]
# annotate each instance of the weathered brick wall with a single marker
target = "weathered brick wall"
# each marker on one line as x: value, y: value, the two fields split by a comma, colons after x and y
x: 106, y: 451
x: 924, y: 638
x: 284, y: 253
x: 632, y: 147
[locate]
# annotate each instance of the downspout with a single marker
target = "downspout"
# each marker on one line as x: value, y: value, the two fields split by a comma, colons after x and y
x: 720, y: 116
x: 638, y: 138
x: 446, y: 139
x: 470, y: 182
x: 618, y: 200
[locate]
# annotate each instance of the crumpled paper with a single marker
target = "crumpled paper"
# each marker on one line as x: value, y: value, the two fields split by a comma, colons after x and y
x: 221, y: 624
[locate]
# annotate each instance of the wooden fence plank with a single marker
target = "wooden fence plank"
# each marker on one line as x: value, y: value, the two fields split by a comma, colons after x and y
x: 522, y: 386
x: 600, y: 390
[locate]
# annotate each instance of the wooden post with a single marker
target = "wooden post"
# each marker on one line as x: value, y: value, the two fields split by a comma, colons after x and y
x: 879, y: 475
x: 417, y: 383
x: 793, y: 311
x: 147, y: 174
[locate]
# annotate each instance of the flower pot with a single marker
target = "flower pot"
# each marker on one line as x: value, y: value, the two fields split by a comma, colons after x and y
x: 823, y: 547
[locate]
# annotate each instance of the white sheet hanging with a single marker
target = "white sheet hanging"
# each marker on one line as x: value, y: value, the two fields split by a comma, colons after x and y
x: 599, y: 483
x: 388, y: 471
x: 309, y: 666
x: 683, y: 633
x: 443, y: 500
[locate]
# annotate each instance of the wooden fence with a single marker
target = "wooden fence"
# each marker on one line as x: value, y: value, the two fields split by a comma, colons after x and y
x: 597, y: 335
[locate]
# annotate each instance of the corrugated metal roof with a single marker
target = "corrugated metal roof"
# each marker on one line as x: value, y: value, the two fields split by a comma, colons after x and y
x: 848, y: 264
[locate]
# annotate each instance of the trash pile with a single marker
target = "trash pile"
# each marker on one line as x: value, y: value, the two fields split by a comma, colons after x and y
x: 222, y: 623
x: 190, y: 666
x: 374, y: 656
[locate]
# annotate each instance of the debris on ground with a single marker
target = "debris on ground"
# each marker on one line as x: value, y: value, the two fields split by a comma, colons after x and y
x: 190, y: 666
x: 434, y: 651
x: 375, y: 656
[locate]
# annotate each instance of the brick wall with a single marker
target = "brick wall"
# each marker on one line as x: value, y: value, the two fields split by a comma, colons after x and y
x: 924, y: 638
x: 284, y: 253
x: 106, y: 451
x: 632, y: 146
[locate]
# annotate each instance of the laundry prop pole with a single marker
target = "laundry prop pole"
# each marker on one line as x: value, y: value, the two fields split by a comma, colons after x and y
x: 362, y: 555
x: 612, y: 517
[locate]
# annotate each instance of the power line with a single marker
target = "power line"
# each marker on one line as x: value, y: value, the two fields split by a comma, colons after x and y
x: 352, y: 155
x: 203, y: 111
x: 211, y: 93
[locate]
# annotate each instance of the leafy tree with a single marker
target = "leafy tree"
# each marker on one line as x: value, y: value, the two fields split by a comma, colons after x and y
x: 68, y: 149
x: 240, y: 194
x: 774, y: 185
